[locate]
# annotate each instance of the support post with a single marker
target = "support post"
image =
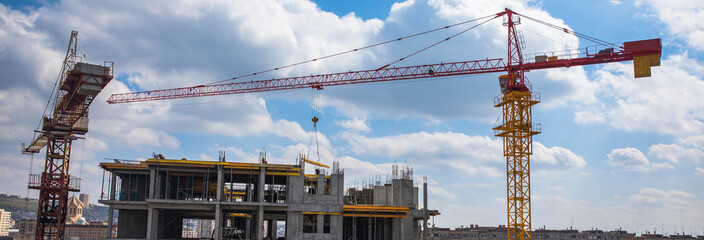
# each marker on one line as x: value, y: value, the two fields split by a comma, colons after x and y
x: 110, y: 222
x: 369, y: 228
x: 113, y: 185
x: 152, y: 223
x: 152, y: 183
x: 425, y: 208
x: 260, y: 202
x: 218, y: 207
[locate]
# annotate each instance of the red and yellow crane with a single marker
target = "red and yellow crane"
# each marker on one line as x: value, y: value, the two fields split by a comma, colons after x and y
x: 516, y: 100
x: 76, y: 87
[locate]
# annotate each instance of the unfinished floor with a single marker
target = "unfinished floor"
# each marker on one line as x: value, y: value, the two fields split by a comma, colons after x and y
x: 253, y: 200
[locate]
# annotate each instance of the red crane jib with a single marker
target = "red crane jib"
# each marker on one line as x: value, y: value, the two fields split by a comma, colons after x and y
x: 628, y: 51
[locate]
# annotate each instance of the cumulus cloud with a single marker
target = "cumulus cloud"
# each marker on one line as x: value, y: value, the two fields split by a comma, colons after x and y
x: 446, y: 149
x: 634, y: 160
x: 355, y: 124
x: 557, y: 156
x: 699, y: 171
x: 440, y: 193
x: 679, y: 17
x: 652, y: 198
x: 452, y: 151
x: 666, y: 103
x: 676, y: 152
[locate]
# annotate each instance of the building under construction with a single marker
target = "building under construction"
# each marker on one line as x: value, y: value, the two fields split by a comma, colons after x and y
x: 253, y: 200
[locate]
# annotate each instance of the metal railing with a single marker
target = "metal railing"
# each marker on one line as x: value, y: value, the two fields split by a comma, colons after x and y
x: 589, y: 51
x: 53, y: 181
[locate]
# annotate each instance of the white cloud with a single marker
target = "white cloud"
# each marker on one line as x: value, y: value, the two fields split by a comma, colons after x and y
x: 681, y: 18
x: 633, y: 160
x: 652, y: 198
x: 699, y: 171
x: 355, y: 124
x: 446, y: 150
x: 440, y: 193
x: 666, y: 103
x: 615, y: 2
x: 675, y: 152
x: 557, y: 156
x: 449, y: 151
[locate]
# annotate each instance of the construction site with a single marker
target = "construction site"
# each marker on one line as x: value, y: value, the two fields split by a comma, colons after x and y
x: 155, y: 198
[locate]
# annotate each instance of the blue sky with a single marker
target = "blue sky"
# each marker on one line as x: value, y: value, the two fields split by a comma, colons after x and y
x: 615, y: 151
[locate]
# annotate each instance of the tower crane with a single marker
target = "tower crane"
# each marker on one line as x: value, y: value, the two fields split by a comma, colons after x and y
x: 76, y: 87
x: 516, y: 99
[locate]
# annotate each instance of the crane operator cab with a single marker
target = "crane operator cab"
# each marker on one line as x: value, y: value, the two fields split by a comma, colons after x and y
x: 506, y: 84
x: 503, y: 82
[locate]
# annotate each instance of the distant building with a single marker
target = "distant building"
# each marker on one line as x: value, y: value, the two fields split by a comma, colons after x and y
x: 4, y: 222
x: 85, y: 199
x: 26, y: 229
x: 75, y: 210
x: 96, y: 230
x: 475, y: 232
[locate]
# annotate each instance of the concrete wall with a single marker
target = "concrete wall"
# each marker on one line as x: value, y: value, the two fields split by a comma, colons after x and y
x: 403, y: 194
x: 132, y: 224
x: 170, y: 225
x: 299, y: 201
x: 382, y: 195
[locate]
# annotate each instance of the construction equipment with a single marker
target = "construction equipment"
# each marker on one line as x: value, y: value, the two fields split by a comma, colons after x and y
x: 76, y: 87
x: 516, y: 99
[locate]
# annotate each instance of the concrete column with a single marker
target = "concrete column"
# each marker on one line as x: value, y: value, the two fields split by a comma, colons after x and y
x: 218, y: 221
x: 425, y: 209
x: 320, y: 224
x: 248, y: 227
x: 113, y: 184
x: 152, y: 223
x: 152, y: 183
x: 354, y: 227
x: 260, y: 184
x: 259, y: 227
x: 110, y: 221
x: 218, y: 207
x: 220, y: 185
x: 272, y: 228
x: 369, y: 230
x: 321, y: 184
x: 386, y: 227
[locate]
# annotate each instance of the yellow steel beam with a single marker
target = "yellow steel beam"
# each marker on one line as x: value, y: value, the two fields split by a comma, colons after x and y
x: 315, y: 176
x: 238, y: 215
x: 367, y: 208
x: 373, y: 215
x: 324, y: 213
x: 226, y: 164
x: 315, y: 163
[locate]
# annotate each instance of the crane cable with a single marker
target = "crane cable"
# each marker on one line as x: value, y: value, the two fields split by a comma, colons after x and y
x: 315, y: 119
x: 438, y: 43
x: 570, y: 31
x: 354, y: 50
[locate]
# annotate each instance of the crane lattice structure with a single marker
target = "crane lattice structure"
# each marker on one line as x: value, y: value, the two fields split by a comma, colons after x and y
x: 76, y: 87
x: 516, y: 100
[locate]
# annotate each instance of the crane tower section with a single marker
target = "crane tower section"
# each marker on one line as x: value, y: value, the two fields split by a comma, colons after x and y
x: 77, y: 86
